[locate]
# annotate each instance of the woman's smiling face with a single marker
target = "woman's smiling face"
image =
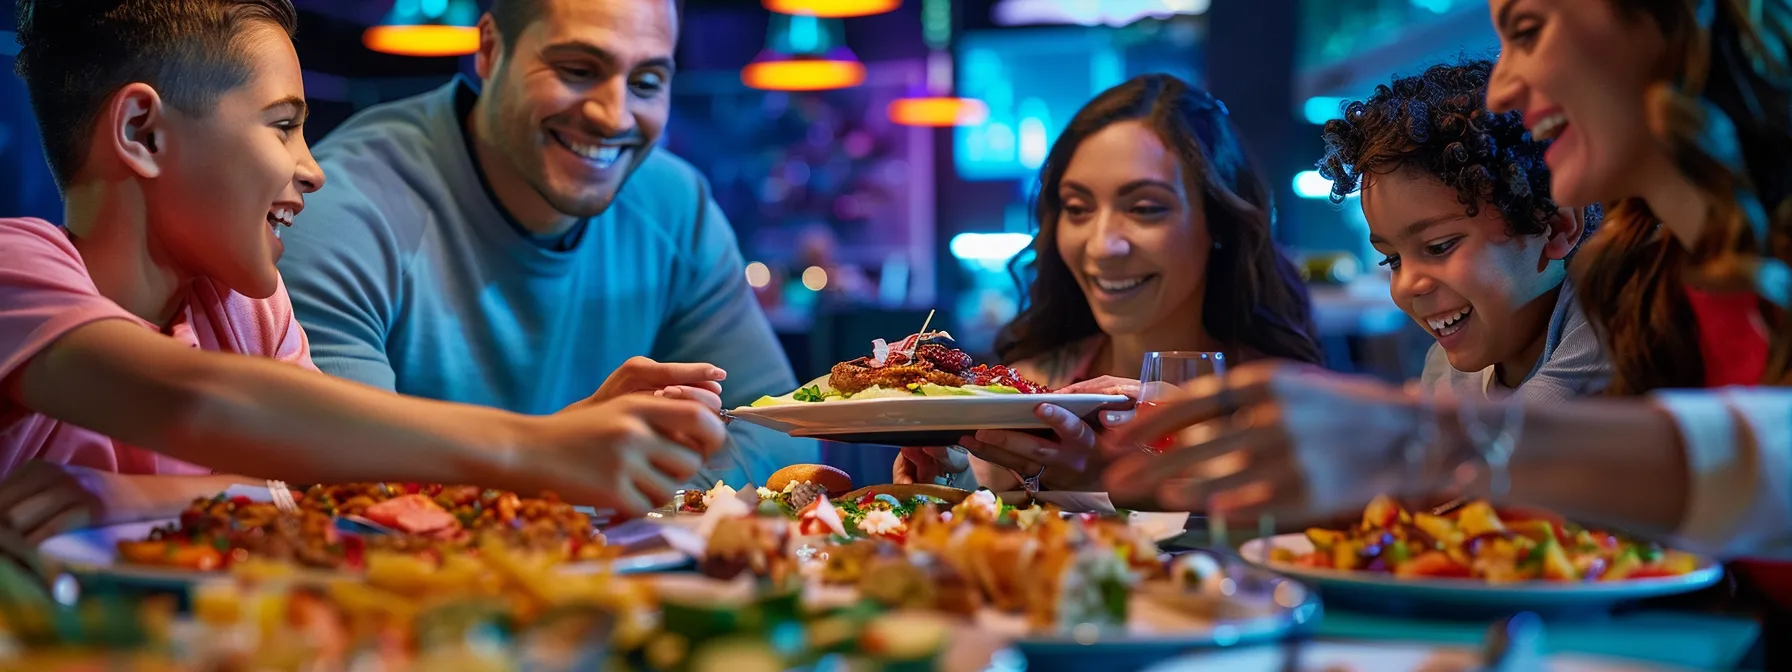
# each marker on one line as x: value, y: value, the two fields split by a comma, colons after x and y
x: 1579, y: 71
x: 1129, y: 229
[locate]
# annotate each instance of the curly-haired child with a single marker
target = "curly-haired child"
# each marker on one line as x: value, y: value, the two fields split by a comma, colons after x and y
x: 1458, y: 201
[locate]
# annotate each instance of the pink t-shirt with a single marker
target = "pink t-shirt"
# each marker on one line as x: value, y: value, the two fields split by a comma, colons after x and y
x: 45, y: 292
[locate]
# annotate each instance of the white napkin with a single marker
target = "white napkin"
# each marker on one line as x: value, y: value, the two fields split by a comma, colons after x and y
x: 693, y: 540
x: 1077, y: 502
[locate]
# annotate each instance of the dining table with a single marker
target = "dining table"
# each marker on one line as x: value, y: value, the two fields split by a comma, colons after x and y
x: 1692, y: 632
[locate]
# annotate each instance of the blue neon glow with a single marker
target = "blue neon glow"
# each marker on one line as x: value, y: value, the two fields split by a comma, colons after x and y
x: 997, y: 247
x: 1321, y: 109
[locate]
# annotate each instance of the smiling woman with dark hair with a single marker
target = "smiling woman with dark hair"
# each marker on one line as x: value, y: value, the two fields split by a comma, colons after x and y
x: 1154, y: 234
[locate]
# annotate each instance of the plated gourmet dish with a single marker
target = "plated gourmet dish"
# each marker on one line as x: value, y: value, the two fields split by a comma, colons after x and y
x: 928, y: 365
x: 1052, y: 571
x: 335, y: 527
x: 1479, y: 542
x: 797, y: 493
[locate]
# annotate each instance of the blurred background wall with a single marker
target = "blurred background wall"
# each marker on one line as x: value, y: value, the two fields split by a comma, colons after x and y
x: 856, y: 225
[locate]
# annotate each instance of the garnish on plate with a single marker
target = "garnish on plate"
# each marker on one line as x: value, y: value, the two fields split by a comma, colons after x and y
x: 927, y: 364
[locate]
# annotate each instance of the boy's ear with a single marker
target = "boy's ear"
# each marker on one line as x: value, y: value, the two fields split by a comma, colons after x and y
x: 491, y: 48
x: 1565, y: 227
x: 135, y: 128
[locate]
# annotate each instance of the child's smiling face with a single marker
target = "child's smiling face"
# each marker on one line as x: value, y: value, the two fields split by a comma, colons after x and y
x: 1468, y: 281
x: 230, y: 178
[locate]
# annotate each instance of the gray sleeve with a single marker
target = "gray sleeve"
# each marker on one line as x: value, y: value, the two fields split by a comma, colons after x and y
x: 343, y: 266
x: 1576, y: 368
x: 1436, y: 375
x: 716, y: 319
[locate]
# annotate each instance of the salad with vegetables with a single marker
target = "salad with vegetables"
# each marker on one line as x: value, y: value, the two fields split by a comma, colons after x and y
x: 1477, y: 541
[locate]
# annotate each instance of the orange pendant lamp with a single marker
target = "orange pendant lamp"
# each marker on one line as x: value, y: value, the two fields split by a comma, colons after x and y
x: 832, y: 9
x: 934, y: 104
x: 427, y: 28
x: 804, y: 53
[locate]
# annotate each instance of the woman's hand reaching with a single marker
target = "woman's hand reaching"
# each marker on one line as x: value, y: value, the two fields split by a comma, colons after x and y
x: 1285, y: 439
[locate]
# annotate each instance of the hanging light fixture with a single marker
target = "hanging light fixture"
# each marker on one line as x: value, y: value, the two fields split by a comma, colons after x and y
x: 427, y: 28
x: 804, y: 53
x: 832, y: 9
x: 934, y: 103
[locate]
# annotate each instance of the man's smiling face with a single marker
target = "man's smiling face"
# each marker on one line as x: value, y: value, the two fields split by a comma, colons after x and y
x: 580, y: 98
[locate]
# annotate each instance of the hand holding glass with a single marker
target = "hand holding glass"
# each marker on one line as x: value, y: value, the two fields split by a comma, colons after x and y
x: 1163, y: 378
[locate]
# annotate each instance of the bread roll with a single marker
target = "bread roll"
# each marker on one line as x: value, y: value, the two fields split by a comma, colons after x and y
x: 835, y: 480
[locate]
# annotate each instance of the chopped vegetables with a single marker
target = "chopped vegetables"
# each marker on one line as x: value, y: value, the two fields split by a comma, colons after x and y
x: 1478, y: 542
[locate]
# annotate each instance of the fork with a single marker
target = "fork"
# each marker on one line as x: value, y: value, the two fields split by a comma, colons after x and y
x: 1452, y: 505
x: 282, y: 496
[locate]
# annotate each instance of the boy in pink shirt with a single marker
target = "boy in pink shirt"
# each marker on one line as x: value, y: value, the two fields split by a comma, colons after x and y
x: 45, y: 293
x: 138, y: 346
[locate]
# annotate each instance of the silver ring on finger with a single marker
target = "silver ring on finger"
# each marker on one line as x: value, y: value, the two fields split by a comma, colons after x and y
x: 1030, y: 483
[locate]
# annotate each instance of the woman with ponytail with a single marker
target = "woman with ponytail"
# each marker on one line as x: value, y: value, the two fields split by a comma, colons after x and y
x: 1677, y: 115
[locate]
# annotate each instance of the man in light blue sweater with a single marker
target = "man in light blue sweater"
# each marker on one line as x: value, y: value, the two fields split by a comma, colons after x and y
x: 479, y: 245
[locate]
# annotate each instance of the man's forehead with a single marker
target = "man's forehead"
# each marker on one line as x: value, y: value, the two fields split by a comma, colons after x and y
x: 629, y: 29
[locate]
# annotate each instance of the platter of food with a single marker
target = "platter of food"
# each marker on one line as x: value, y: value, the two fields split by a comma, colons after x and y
x: 330, y: 530
x: 864, y: 511
x: 1480, y: 558
x: 1051, y: 583
x: 505, y: 609
x: 919, y: 391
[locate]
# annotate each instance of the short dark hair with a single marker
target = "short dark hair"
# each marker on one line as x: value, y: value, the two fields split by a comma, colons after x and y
x: 74, y: 54
x: 1438, y: 123
x: 512, y: 17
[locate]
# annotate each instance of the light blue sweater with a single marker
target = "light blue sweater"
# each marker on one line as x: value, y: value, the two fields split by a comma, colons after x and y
x: 408, y: 276
x: 1573, y: 363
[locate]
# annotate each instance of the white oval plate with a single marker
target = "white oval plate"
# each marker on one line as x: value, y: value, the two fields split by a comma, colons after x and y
x: 892, y: 418
x: 94, y: 552
x: 1546, y: 596
x: 1375, y: 657
x: 1156, y: 624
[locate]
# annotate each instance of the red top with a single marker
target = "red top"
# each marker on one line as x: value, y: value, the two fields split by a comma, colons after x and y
x: 1732, y: 337
x: 1733, y: 343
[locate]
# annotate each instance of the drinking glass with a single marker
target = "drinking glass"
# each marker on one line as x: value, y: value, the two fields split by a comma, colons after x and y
x: 1164, y: 377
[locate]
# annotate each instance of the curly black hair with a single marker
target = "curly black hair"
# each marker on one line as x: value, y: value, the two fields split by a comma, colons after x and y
x: 1438, y: 123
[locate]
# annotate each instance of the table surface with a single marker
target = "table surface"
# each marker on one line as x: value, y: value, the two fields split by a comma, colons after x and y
x: 1696, y: 640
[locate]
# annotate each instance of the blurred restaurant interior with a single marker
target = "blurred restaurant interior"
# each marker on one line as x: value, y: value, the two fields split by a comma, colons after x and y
x: 879, y: 168
x: 855, y: 224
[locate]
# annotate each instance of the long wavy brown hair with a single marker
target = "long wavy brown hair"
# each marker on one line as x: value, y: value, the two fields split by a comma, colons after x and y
x: 1254, y: 301
x: 1724, y: 114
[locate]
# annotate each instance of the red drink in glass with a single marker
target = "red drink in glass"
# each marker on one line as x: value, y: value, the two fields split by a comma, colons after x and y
x: 1160, y: 444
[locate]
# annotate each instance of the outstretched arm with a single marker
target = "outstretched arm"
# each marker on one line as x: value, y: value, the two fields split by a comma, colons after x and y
x: 256, y: 416
x: 1710, y: 469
